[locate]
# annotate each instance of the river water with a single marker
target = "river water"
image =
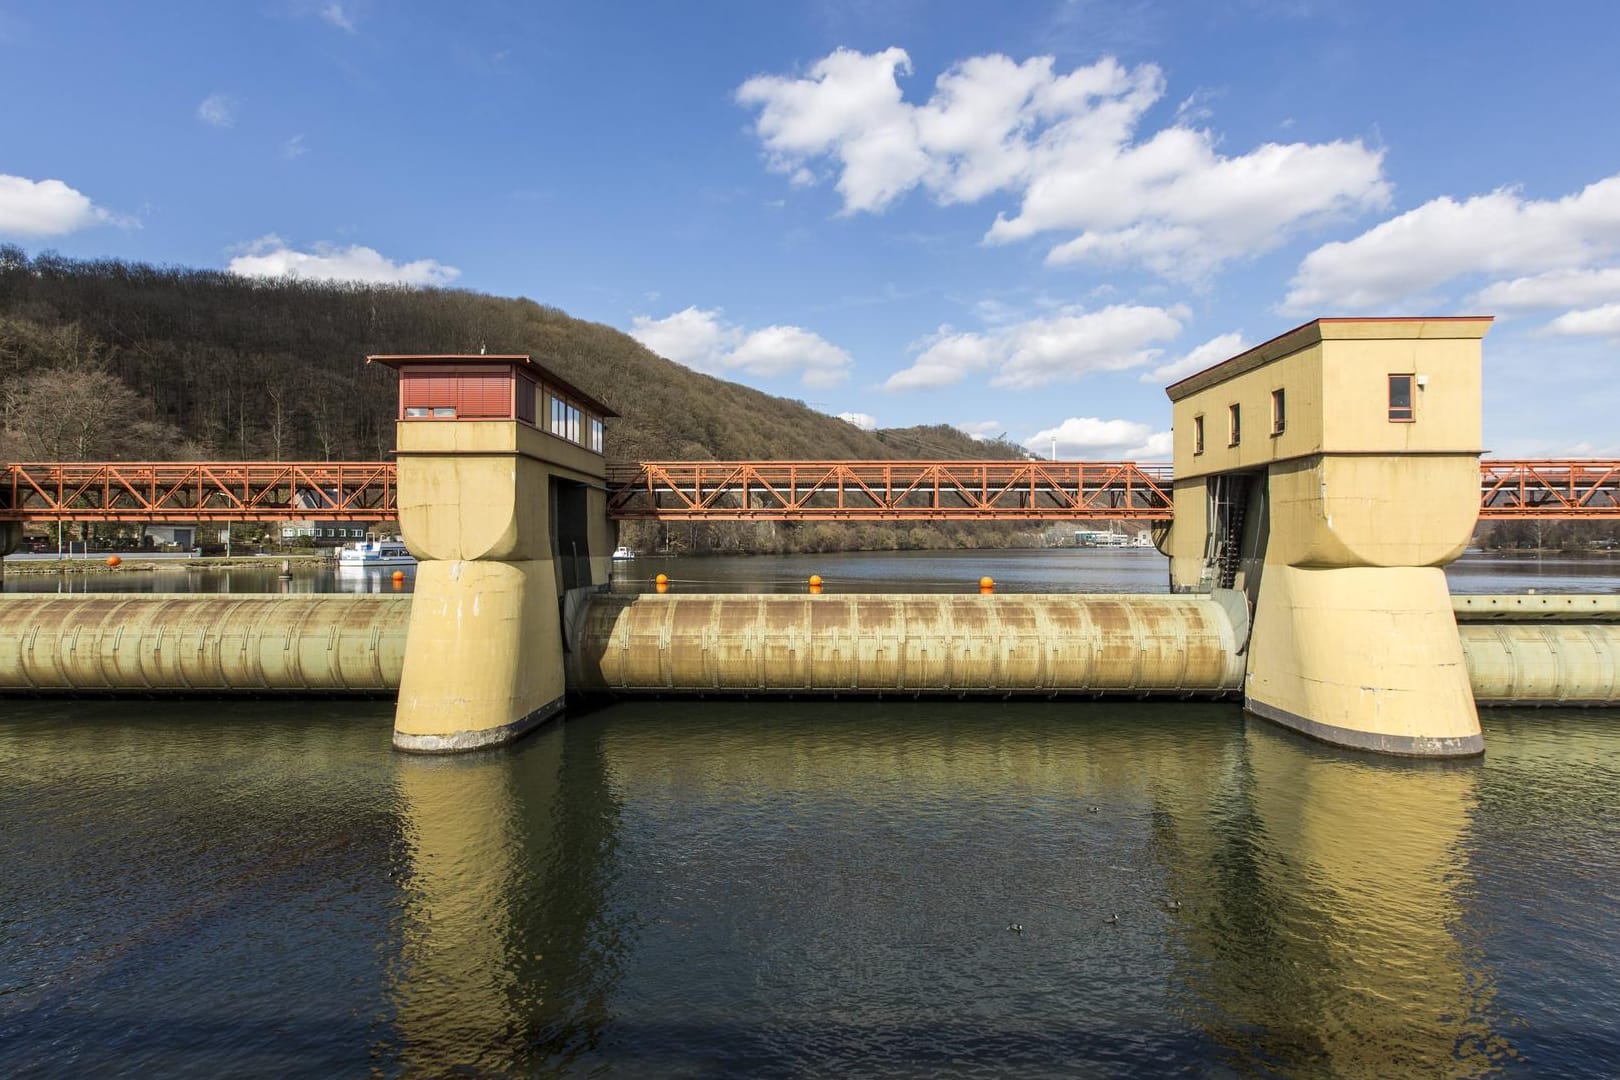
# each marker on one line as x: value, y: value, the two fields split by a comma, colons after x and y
x: 1046, y: 570
x: 808, y: 888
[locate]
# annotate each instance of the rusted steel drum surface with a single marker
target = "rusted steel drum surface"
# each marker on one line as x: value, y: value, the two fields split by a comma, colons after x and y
x: 1538, y: 650
x: 1550, y: 663
x: 202, y: 644
x: 906, y: 644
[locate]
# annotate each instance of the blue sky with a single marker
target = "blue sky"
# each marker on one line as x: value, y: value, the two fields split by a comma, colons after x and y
x: 1018, y: 217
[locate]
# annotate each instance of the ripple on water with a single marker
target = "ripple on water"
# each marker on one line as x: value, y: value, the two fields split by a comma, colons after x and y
x: 802, y: 888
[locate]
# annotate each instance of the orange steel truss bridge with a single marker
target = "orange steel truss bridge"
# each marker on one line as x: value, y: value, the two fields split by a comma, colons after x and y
x: 152, y: 492
x: 1019, y: 490
x: 189, y: 491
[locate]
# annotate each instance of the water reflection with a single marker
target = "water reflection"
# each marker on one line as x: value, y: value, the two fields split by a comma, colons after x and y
x: 1041, y: 570
x: 507, y: 959
x: 802, y: 888
x: 1260, y: 901
x: 1332, y: 948
x: 304, y: 577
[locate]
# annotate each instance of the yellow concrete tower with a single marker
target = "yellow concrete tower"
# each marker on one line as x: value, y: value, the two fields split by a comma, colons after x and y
x: 503, y: 500
x: 1330, y: 474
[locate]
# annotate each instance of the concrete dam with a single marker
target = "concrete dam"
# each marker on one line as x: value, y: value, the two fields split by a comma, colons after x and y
x: 1519, y: 650
x: 1322, y: 481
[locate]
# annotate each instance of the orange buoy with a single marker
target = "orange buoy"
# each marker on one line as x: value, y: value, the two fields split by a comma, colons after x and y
x: 987, y: 584
x: 815, y: 581
x: 113, y: 560
x: 399, y: 576
x: 661, y: 579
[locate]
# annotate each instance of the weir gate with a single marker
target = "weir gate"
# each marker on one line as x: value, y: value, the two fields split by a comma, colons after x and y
x: 1321, y: 481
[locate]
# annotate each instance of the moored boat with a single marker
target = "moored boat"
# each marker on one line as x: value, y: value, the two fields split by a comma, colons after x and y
x: 364, y: 553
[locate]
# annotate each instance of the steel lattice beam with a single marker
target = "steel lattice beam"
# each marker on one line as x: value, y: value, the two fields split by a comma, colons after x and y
x: 1578, y: 488
x: 888, y: 490
x: 131, y: 491
x: 187, y: 491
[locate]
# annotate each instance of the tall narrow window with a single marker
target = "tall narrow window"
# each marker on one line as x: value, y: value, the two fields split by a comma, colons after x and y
x: 1400, y: 399
x: 1234, y: 423
x: 1198, y: 434
x: 1279, y: 412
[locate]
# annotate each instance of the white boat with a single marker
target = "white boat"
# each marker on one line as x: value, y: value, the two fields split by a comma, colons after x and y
x: 622, y: 552
x: 363, y: 553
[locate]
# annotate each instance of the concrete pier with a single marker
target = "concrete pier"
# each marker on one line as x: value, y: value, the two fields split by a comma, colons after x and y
x: 502, y: 498
x: 1329, y: 475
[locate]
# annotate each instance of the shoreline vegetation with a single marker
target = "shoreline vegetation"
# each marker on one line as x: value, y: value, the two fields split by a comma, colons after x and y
x: 134, y: 563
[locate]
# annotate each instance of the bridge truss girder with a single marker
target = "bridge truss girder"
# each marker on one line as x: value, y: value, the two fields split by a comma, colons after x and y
x: 888, y: 491
x: 153, y: 492
x: 1570, y: 488
x: 180, y: 491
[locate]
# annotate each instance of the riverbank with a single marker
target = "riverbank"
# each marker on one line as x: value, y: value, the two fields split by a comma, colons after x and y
x: 97, y: 564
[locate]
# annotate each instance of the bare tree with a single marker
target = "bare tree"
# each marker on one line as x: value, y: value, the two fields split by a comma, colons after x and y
x: 327, y: 414
x: 83, y: 414
x: 278, y: 418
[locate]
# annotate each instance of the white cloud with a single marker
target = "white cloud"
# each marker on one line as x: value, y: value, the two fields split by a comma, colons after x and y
x: 294, y: 148
x: 1087, y: 438
x: 700, y: 340
x: 1404, y: 259
x: 944, y: 359
x: 1067, y: 145
x: 269, y: 256
x: 982, y: 430
x: 1208, y: 354
x: 1067, y: 345
x: 217, y: 110
x: 692, y: 337
x: 45, y: 208
x: 1592, y: 322
x: 338, y: 16
x: 864, y: 421
x: 777, y: 351
x: 1554, y: 289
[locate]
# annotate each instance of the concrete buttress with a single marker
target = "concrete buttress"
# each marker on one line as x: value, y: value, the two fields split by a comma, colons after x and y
x: 496, y: 508
x: 1330, y: 474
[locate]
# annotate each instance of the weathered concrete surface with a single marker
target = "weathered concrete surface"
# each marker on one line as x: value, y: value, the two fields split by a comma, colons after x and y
x: 484, y: 660
x: 1005, y: 645
x: 179, y: 643
x: 908, y: 644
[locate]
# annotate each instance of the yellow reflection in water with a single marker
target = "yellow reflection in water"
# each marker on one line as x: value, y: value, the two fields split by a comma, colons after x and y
x: 457, y: 992
x: 1349, y: 960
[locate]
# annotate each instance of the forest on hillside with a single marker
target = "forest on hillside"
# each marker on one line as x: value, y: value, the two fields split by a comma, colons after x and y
x: 110, y: 360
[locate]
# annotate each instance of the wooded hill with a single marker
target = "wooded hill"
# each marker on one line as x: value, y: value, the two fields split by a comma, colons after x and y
x: 112, y: 360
